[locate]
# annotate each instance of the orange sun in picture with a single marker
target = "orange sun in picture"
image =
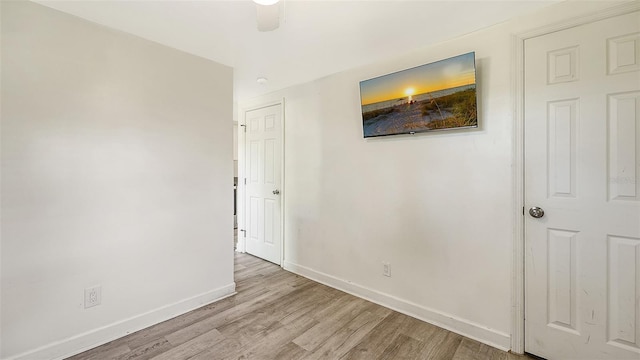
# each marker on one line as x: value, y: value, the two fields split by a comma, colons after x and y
x: 409, y: 92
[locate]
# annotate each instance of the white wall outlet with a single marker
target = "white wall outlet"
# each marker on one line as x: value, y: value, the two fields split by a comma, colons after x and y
x: 92, y: 296
x: 386, y: 269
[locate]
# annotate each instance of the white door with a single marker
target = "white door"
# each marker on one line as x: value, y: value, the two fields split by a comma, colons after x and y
x: 582, y: 162
x: 263, y: 163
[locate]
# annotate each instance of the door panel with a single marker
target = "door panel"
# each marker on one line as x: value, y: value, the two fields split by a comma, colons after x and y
x: 582, y: 147
x: 263, y: 171
x: 624, y: 134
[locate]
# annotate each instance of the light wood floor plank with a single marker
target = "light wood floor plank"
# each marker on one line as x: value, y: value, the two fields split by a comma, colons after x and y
x: 280, y: 315
x: 147, y: 351
x: 275, y: 339
x: 291, y: 351
x: 348, y: 336
x: 442, y: 344
x: 403, y: 347
x: 474, y: 350
x: 315, y: 336
x: 375, y: 343
x: 185, y: 334
x: 192, y: 347
x: 157, y: 333
x: 418, y: 330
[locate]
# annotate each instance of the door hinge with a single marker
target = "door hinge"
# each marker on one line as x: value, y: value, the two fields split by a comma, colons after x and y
x: 245, y: 182
x: 523, y: 211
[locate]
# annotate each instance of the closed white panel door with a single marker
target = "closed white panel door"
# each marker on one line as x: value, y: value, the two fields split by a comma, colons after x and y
x: 582, y: 158
x: 263, y: 163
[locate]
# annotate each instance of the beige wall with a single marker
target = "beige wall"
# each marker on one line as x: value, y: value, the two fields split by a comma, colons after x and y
x: 117, y: 171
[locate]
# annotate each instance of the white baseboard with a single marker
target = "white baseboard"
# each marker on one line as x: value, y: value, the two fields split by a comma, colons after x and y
x: 463, y: 327
x: 90, y: 339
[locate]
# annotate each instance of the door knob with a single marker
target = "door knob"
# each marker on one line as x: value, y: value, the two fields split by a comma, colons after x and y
x: 536, y: 212
x: 276, y: 192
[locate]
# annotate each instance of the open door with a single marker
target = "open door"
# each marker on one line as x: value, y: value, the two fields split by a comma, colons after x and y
x: 262, y: 195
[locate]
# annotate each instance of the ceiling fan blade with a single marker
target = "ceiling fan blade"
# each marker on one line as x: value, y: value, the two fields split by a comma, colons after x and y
x: 268, y: 17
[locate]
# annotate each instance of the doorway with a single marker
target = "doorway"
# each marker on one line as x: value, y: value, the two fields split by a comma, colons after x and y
x: 582, y: 192
x: 262, y: 182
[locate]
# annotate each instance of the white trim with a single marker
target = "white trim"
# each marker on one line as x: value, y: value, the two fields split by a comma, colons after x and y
x: 90, y: 339
x: 242, y: 247
x: 518, y: 259
x: 283, y: 193
x: 242, y: 136
x: 517, y: 273
x: 460, y: 326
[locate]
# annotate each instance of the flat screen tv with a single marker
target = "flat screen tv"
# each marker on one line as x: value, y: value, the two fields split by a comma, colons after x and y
x: 436, y: 96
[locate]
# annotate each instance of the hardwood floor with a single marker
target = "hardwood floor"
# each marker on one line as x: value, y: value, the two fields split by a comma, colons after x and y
x: 279, y: 315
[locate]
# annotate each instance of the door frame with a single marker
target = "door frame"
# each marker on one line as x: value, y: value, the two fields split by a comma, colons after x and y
x: 242, y: 247
x: 518, y: 260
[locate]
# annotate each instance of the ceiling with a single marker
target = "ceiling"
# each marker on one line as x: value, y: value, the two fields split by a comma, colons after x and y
x: 315, y: 38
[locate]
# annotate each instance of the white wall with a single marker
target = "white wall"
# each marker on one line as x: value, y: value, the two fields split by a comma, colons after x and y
x: 116, y: 171
x: 235, y: 148
x: 438, y: 207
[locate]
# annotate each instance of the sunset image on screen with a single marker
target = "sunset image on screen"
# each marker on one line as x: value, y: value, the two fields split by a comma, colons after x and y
x: 440, y: 95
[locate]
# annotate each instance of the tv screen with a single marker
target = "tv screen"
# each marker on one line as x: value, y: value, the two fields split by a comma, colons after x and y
x: 436, y: 96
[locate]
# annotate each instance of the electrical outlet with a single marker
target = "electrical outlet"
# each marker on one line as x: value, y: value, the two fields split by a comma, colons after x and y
x: 386, y: 269
x: 92, y: 296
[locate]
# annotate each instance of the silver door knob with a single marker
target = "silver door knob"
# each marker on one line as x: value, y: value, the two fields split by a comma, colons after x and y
x: 276, y: 192
x: 536, y: 212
